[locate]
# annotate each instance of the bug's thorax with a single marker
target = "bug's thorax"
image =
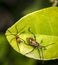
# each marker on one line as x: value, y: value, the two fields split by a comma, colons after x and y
x: 17, y: 36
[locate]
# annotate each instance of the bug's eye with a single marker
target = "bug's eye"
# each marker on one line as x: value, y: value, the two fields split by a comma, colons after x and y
x: 30, y: 40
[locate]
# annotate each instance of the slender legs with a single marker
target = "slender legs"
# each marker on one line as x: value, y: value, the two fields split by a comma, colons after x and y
x: 39, y: 53
x: 42, y: 56
x: 49, y: 44
x: 15, y: 35
x: 39, y: 50
x: 30, y: 51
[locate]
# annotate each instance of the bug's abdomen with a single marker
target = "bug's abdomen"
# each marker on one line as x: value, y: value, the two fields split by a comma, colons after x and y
x: 19, y: 40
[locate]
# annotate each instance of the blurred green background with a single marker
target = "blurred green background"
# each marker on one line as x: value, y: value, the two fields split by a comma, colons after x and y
x: 10, y: 12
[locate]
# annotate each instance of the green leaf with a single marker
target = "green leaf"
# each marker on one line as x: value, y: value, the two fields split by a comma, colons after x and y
x: 44, y: 24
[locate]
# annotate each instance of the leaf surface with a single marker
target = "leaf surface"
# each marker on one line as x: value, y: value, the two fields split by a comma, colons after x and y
x: 44, y: 24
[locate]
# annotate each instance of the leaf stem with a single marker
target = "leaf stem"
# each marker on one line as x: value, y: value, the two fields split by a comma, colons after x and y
x: 55, y: 3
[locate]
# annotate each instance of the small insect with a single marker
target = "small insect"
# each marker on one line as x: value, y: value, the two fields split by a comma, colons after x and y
x: 32, y: 42
x: 18, y: 39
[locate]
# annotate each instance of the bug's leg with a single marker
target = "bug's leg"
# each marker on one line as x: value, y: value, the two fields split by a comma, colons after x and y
x: 18, y: 47
x: 49, y: 44
x: 11, y: 40
x: 42, y: 56
x: 24, y: 41
x: 30, y: 51
x: 41, y: 41
x: 32, y: 33
x: 39, y: 53
x: 44, y: 47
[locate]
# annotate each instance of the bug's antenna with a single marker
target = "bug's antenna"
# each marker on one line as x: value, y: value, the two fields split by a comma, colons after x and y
x: 32, y: 33
x: 16, y: 29
x: 10, y: 32
x: 21, y: 30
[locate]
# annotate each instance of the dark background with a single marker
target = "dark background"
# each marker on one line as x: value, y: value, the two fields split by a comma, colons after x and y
x: 10, y: 12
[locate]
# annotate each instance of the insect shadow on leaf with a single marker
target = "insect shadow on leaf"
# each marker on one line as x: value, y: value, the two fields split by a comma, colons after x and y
x: 16, y: 36
x: 32, y: 42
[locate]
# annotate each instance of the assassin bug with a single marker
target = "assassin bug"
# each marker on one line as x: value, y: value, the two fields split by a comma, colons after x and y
x: 32, y: 42
x: 18, y: 39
